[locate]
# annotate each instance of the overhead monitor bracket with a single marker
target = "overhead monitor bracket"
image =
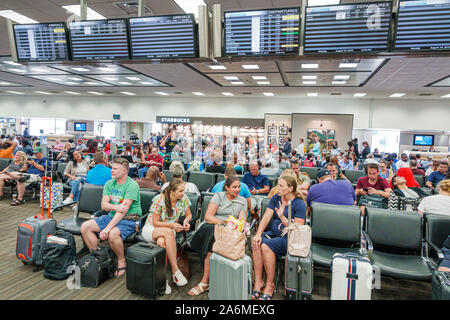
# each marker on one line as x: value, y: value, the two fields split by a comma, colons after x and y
x: 83, y: 9
x: 203, y: 32
x: 216, y: 31
x: 12, y: 43
x: 141, y: 8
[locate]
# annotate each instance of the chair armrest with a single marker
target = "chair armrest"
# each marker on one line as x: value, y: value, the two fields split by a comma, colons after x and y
x: 64, y: 205
x: 138, y: 222
x: 439, y: 253
x: 98, y: 214
x: 366, y: 243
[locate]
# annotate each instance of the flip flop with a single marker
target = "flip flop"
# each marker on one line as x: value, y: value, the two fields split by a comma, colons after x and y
x: 118, y: 270
x: 17, y: 202
x: 265, y: 296
x: 203, y: 287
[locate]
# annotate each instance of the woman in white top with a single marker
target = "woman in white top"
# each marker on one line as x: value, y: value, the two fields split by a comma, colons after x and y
x: 177, y: 171
x: 437, y: 204
x: 76, y: 171
x: 162, y: 224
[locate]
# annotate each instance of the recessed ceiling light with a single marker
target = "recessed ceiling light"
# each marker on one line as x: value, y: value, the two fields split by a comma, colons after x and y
x: 80, y: 69
x: 53, y: 79
x: 259, y: 77
x: 162, y: 93
x: 250, y: 66
x: 190, y: 6
x: 128, y: 93
x: 105, y: 69
x: 397, y: 95
x: 309, y: 82
x: 237, y: 82
x: 312, y: 94
x: 16, y: 17
x: 4, y: 83
x: 217, y: 67
x: 358, y: 95
x: 263, y: 82
x: 72, y: 83
x: 268, y: 94
x: 146, y: 83
x: 313, y: 3
x: 12, y: 63
x: 15, y: 92
x: 94, y: 92
x: 71, y: 92
x: 134, y: 78
x: 227, y: 94
x: 309, y: 77
x: 73, y: 78
x: 91, y: 14
x: 341, y: 77
x: 198, y: 93
x: 39, y: 70
x: 348, y: 65
x: 231, y: 78
x: 17, y: 70
x: 42, y: 92
x: 339, y: 82
x: 310, y: 65
x: 91, y: 83
x: 125, y: 83
x: 446, y: 96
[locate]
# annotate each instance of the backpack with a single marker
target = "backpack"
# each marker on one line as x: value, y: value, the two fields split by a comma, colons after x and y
x: 57, y: 257
x: 96, y: 267
x: 373, y: 200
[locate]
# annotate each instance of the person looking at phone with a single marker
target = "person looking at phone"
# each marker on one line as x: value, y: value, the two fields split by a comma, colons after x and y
x: 373, y: 183
x: 162, y: 224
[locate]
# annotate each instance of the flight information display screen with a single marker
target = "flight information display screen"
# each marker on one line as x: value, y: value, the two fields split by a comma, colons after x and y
x: 347, y: 28
x: 262, y: 32
x: 41, y: 42
x: 99, y: 39
x: 423, y: 25
x: 163, y: 37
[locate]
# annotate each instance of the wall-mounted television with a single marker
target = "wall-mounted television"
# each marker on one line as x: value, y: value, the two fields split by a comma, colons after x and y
x: 423, y: 140
x: 79, y: 126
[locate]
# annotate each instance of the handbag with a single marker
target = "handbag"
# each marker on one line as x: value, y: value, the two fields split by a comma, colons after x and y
x: 299, y: 238
x: 183, y: 260
x: 373, y: 200
x: 229, y: 243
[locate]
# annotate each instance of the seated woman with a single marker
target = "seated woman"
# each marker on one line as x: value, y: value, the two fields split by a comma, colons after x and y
x: 409, y: 177
x: 216, y: 163
x: 76, y: 171
x: 267, y: 245
x: 220, y: 207
x: 309, y: 161
x: 162, y: 224
x: 63, y: 155
x: 286, y: 172
x: 11, y: 172
x: 402, y: 190
x: 385, y: 172
x: 439, y: 203
x: 150, y: 179
x: 177, y: 171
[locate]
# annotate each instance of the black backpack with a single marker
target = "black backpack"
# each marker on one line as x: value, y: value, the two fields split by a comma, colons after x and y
x: 96, y: 267
x: 58, y: 257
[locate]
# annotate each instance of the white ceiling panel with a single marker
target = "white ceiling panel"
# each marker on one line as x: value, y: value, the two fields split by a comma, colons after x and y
x: 255, y: 4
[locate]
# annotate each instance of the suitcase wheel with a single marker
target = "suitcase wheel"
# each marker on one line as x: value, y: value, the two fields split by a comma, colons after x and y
x: 24, y: 263
x: 306, y: 297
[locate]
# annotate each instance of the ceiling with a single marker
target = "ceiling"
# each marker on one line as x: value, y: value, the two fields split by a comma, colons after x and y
x: 418, y: 76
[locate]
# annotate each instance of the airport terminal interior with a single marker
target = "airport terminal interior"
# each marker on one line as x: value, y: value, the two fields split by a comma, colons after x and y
x: 327, y: 118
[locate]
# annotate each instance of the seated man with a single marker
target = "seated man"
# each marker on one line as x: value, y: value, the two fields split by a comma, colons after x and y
x: 270, y: 168
x: 7, y: 149
x: 153, y: 160
x: 258, y: 184
x: 372, y: 184
x: 331, y: 191
x: 403, y: 163
x: 415, y: 170
x: 121, y: 197
x: 36, y: 170
x: 100, y: 174
x: 345, y: 163
x: 150, y: 179
x: 302, y: 178
x: 335, y: 172
x: 437, y: 176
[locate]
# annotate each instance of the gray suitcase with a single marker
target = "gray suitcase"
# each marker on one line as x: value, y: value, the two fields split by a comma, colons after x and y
x: 229, y: 279
x: 298, y: 274
x: 32, y: 236
x: 440, y: 285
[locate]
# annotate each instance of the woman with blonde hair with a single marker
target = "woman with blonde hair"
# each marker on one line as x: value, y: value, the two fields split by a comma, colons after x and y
x: 287, y: 172
x: 439, y: 203
x: 267, y: 245
x: 18, y: 165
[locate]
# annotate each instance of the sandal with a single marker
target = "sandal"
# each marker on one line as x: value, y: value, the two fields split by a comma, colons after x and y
x: 17, y: 202
x: 265, y: 296
x: 202, y: 286
x: 118, y: 270
x: 255, y: 294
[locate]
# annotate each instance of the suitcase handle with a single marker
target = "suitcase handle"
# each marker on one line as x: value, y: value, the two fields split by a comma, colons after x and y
x: 49, y: 195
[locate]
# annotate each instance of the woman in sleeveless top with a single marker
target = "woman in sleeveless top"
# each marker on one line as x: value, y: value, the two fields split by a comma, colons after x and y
x: 18, y: 165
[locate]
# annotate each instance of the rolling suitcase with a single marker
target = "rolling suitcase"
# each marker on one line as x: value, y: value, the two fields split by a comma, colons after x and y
x: 55, y: 194
x: 440, y: 286
x: 230, y: 279
x: 146, y: 274
x: 298, y: 274
x: 32, y: 235
x: 352, y: 277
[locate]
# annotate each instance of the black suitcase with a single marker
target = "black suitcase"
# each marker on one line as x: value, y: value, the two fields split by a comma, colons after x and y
x: 146, y: 274
x: 440, y: 286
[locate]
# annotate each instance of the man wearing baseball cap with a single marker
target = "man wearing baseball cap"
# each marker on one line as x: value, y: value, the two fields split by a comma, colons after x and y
x: 331, y: 191
x: 36, y: 169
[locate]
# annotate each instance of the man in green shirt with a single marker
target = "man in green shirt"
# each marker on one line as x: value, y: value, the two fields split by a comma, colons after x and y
x: 121, y: 198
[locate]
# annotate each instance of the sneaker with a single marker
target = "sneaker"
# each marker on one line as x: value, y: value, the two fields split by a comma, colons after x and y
x: 168, y: 288
x: 68, y: 201
x: 179, y: 279
x: 74, y: 207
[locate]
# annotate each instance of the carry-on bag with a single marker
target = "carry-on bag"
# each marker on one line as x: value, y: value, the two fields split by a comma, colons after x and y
x: 32, y: 235
x: 298, y: 277
x: 59, y: 254
x: 352, y: 277
x: 56, y: 196
x: 440, y: 285
x: 96, y: 267
x: 228, y: 242
x: 230, y: 279
x: 146, y: 273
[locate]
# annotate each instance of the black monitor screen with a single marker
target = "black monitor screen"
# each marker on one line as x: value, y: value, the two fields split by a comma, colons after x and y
x: 80, y: 126
x: 360, y: 27
x: 41, y: 42
x: 423, y: 25
x: 99, y: 39
x: 163, y: 37
x: 262, y: 32
x: 423, y: 140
